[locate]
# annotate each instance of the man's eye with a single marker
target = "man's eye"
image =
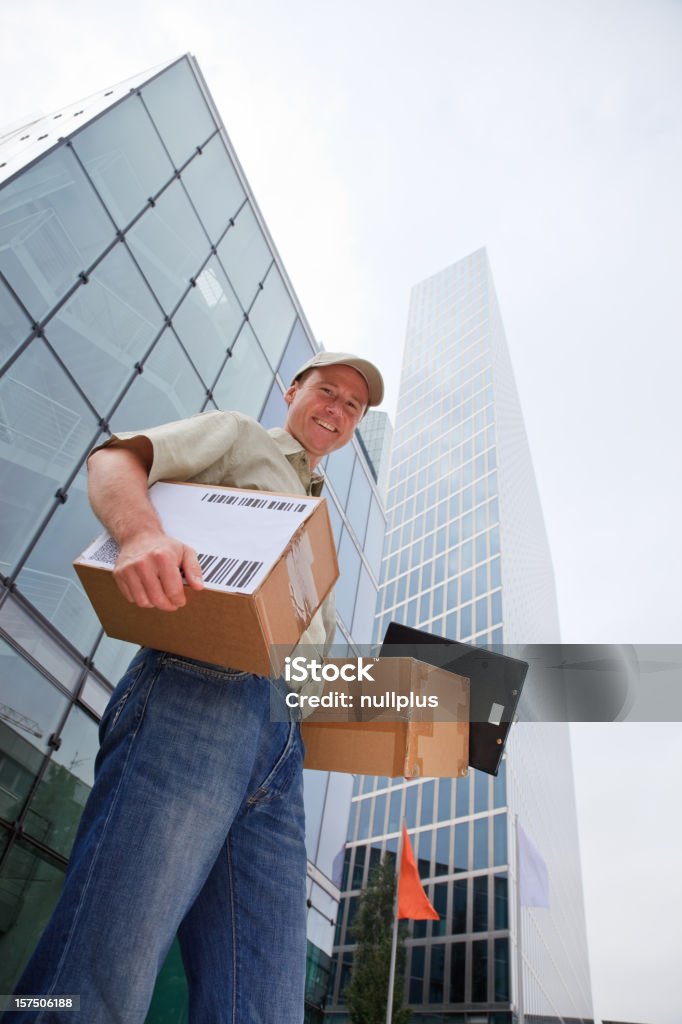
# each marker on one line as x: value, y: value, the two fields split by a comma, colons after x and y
x: 354, y: 407
x: 327, y: 391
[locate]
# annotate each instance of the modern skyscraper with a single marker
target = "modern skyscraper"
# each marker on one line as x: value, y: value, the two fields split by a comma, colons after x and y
x: 138, y: 284
x: 466, y: 556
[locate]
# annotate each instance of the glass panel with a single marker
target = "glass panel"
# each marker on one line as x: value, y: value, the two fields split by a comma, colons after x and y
x: 29, y: 889
x: 14, y: 324
x: 56, y: 807
x: 365, y: 605
x: 394, y: 811
x: 480, y: 792
x: 95, y: 695
x: 479, y: 972
x: 481, y: 843
x: 500, y: 839
x: 335, y: 517
x: 125, y: 159
x: 416, y: 975
x: 208, y: 320
x: 272, y: 316
x: 411, y: 806
x: 437, y: 973
x: 501, y: 970
x: 440, y: 903
x: 424, y: 859
x: 459, y: 906
x: 39, y: 644
x: 358, y: 501
x: 298, y: 351
x: 48, y: 579
x: 167, y: 390
x: 169, y: 244
x: 363, y: 825
x: 426, y: 814
x: 379, y: 815
x: 457, y: 972
x: 444, y: 799
x: 34, y: 709
x: 442, y: 865
x: 339, y: 470
x: 246, y: 377
x: 349, y: 565
x: 245, y: 255
x: 52, y: 227
x: 113, y: 656
x: 358, y: 866
x: 45, y: 428
x: 462, y: 802
x: 480, y: 907
x: 179, y: 111
x: 105, y: 328
x: 500, y: 786
x: 374, y: 538
x: 213, y: 187
x: 462, y: 846
x: 501, y: 901
x: 275, y: 411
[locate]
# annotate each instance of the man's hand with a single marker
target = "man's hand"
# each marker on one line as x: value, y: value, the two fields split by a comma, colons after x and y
x: 150, y: 570
x: 151, y: 565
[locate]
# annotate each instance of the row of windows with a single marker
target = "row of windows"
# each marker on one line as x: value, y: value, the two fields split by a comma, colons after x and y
x: 436, y: 488
x: 465, y: 906
x: 445, y: 539
x: 478, y: 414
x: 466, y: 383
x: 446, y: 973
x: 460, y: 588
x: 447, y: 562
x: 457, y: 623
x: 432, y: 800
x: 454, y: 407
x: 459, y: 498
x: 470, y: 845
x: 446, y: 360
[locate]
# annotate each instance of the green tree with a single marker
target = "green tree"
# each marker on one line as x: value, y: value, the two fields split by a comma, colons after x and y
x: 367, y: 991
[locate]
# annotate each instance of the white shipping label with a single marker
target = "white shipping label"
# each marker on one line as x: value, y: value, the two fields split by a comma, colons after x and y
x: 238, y: 535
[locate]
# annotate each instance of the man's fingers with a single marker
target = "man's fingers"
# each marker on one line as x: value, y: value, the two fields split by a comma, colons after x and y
x: 192, y: 570
x: 151, y: 577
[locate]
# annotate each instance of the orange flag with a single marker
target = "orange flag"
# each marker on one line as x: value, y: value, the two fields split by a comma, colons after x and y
x: 413, y: 902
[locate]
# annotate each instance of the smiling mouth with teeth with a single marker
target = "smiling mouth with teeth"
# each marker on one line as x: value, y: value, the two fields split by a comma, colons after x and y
x: 327, y: 426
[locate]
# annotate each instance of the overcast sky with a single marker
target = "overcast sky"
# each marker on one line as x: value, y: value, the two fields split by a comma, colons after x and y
x: 385, y: 140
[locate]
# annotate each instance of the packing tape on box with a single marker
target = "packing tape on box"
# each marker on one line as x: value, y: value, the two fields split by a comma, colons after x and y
x: 302, y: 588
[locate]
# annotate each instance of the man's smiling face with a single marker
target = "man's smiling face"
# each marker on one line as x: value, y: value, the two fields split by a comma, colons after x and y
x: 325, y: 407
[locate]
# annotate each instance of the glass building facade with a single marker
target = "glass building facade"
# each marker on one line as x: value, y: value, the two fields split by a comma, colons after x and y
x: 138, y: 284
x: 466, y: 557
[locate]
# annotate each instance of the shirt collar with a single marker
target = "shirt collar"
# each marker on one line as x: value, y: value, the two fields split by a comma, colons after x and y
x: 294, y: 452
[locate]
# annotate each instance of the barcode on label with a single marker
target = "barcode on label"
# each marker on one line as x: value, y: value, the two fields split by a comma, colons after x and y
x: 250, y: 502
x: 107, y: 552
x: 230, y: 572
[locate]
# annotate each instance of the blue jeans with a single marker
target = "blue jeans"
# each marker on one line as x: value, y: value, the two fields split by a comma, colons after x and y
x: 194, y: 826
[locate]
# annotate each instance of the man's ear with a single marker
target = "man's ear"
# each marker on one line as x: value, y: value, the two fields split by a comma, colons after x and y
x: 290, y: 392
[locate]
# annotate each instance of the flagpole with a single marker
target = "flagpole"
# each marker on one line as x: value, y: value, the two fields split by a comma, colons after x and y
x: 519, y: 947
x: 394, y: 941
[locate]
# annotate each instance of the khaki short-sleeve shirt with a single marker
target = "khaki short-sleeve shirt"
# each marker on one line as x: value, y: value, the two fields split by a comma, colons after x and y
x: 232, y: 450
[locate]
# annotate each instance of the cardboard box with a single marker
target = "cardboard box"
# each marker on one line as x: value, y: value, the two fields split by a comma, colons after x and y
x: 419, y: 742
x: 268, y: 561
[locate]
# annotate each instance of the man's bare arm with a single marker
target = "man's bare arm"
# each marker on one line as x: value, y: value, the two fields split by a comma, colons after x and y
x: 150, y: 567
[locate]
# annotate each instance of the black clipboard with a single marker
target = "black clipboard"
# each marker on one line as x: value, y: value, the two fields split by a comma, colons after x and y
x: 496, y: 684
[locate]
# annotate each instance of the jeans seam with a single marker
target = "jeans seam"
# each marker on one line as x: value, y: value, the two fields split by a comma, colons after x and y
x: 233, y: 916
x: 98, y: 850
x: 190, y: 667
x: 262, y: 790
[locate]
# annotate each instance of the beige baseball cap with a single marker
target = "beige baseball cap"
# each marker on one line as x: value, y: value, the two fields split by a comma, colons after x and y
x: 373, y: 379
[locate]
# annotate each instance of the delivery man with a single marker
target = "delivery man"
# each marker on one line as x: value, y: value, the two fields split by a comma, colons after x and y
x: 195, y: 823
